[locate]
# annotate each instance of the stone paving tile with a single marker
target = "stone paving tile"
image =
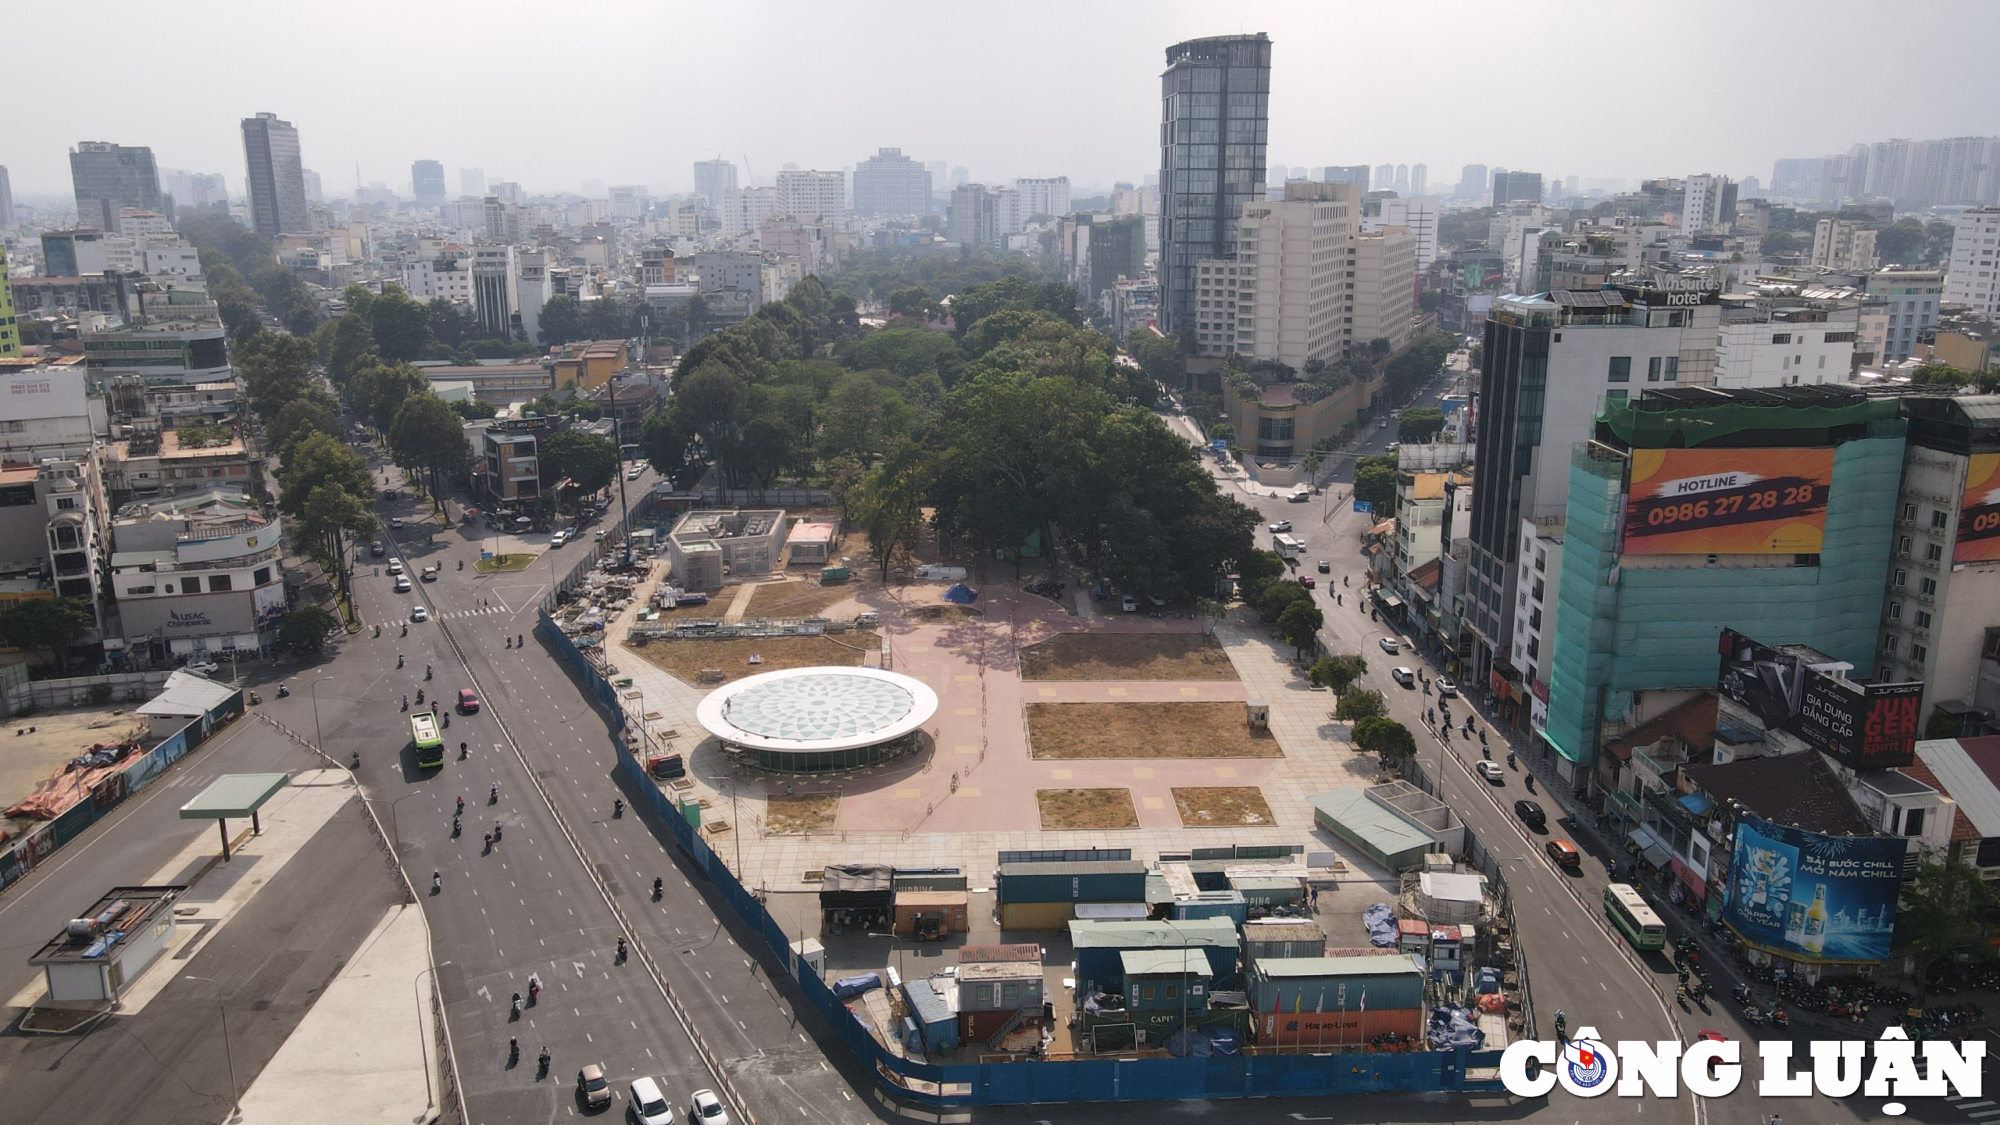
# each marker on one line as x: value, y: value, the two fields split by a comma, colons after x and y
x: 908, y: 813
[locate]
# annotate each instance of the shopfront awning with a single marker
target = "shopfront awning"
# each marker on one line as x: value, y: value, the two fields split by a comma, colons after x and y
x: 1649, y: 847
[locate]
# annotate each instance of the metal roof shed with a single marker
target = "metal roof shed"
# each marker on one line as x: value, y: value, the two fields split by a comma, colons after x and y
x: 234, y: 795
x: 1380, y: 832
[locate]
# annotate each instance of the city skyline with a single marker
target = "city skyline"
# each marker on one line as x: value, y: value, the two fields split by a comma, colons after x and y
x: 1097, y: 126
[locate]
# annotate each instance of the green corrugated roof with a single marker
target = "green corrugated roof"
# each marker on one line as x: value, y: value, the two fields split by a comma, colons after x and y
x: 234, y: 794
x: 1379, y: 826
x: 1147, y: 962
x: 1192, y: 932
x: 1378, y: 965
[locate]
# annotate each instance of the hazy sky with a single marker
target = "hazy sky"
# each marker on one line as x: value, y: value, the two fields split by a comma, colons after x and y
x: 553, y: 94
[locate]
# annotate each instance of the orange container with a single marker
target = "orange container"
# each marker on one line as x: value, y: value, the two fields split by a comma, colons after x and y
x: 1353, y: 1029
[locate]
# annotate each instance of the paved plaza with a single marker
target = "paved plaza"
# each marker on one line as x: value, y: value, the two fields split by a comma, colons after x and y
x: 971, y: 794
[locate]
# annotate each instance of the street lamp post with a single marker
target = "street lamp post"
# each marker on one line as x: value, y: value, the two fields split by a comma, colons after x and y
x: 235, y: 1099
x: 396, y: 829
x: 423, y: 1048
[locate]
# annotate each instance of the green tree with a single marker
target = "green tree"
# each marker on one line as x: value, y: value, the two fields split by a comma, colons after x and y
x: 1945, y: 910
x: 319, y: 460
x: 328, y: 518
x: 695, y: 317
x: 345, y: 342
x: 1280, y: 596
x: 1939, y: 375
x: 1942, y: 724
x: 378, y: 390
x: 47, y: 625
x: 429, y: 435
x: 306, y: 629
x: 561, y: 321
x: 888, y: 503
x: 1358, y: 705
x: 1300, y: 625
x: 1376, y: 484
x: 276, y: 371
x: 1385, y: 737
x: 590, y: 462
x: 1419, y: 425
x: 452, y: 324
x: 1337, y: 673
x: 1777, y: 243
x: 312, y: 412
x: 1255, y: 568
x: 473, y: 409
x: 400, y: 324
x: 915, y: 301
x: 854, y: 419
x: 713, y: 404
x: 669, y: 446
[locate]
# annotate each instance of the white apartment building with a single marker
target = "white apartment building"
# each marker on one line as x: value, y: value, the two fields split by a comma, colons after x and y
x: 197, y: 574
x: 1706, y: 201
x: 1843, y: 246
x: 494, y: 296
x: 1516, y: 233
x: 1790, y: 347
x: 1420, y: 216
x: 1535, y: 612
x: 1973, y: 277
x: 745, y: 209
x: 1044, y: 196
x: 1384, y: 293
x: 531, y: 291
x: 1282, y: 296
x: 812, y: 195
x: 449, y: 275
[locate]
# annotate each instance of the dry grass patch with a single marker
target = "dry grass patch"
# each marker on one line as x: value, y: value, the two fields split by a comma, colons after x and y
x: 1127, y: 656
x: 684, y: 659
x: 1086, y: 808
x: 801, y: 814
x: 1223, y: 806
x: 803, y: 596
x: 1145, y: 730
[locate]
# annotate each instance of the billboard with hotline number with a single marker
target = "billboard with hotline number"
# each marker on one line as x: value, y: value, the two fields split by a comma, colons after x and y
x: 1979, y: 511
x: 1727, y: 501
x: 1809, y: 897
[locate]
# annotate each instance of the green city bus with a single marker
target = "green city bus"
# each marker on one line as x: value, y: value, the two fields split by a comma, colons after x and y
x: 430, y: 747
x: 1633, y: 917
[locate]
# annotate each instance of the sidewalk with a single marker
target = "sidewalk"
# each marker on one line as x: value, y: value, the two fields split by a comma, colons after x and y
x: 366, y: 1050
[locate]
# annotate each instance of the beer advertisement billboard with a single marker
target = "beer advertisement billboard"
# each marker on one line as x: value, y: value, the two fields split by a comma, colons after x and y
x: 1811, y: 897
x: 1979, y: 510
x: 1727, y: 501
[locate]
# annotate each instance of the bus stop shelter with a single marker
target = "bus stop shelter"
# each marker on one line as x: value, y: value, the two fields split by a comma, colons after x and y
x: 234, y: 795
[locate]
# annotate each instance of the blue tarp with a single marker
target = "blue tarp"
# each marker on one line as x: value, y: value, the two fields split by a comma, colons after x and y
x: 961, y: 594
x: 1381, y: 923
x: 1203, y: 1042
x: 847, y: 988
x: 1451, y: 1026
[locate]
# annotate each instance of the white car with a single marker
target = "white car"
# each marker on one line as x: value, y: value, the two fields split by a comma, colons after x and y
x: 1445, y: 688
x: 202, y: 667
x: 402, y: 583
x: 1281, y: 526
x: 648, y: 1105
x: 395, y: 566
x: 633, y: 473
x: 1404, y: 676
x: 419, y: 613
x: 1391, y: 646
x: 1128, y: 604
x: 1491, y: 771
x: 704, y: 1108
x: 559, y: 538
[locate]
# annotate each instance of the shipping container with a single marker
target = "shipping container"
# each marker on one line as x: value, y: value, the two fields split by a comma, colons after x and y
x: 948, y: 906
x: 1269, y: 890
x: 1100, y: 880
x: 1335, y: 1029
x: 1302, y: 984
x: 1099, y: 945
x: 935, y: 1011
x: 1291, y: 937
x: 975, y: 1027
x: 1213, y: 904
x: 1034, y: 915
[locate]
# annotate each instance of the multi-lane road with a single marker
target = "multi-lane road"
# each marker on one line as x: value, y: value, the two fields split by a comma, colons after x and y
x: 566, y: 879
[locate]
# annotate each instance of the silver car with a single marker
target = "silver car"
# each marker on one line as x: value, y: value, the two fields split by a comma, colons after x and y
x: 704, y: 1108
x: 648, y: 1106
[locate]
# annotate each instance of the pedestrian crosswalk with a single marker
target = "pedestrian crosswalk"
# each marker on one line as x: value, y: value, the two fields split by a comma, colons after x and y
x: 453, y: 615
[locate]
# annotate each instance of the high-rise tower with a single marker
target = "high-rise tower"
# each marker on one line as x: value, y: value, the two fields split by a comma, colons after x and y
x: 1214, y: 121
x: 276, y: 179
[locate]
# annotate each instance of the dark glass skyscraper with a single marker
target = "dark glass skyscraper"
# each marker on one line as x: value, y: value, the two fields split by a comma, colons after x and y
x: 1214, y: 121
x: 427, y: 183
x: 109, y: 178
x: 276, y: 179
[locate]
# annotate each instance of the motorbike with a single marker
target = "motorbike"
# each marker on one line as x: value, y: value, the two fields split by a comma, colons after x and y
x: 455, y: 829
x: 1741, y: 993
x: 420, y: 697
x: 255, y: 699
x: 283, y: 691
x: 534, y: 990
x: 1753, y: 1016
x: 1510, y: 761
x: 437, y: 882
x: 1529, y: 781
x: 447, y: 720
x: 406, y: 632
x: 378, y: 630
x: 516, y: 1013
x: 621, y: 949
x: 542, y: 1070
x: 461, y: 564
x: 357, y: 760
x: 427, y: 673
x: 493, y: 794
x: 399, y: 660
x: 617, y: 809
x: 489, y: 841
x: 1484, y: 753
x: 461, y: 757
x: 496, y: 830
x: 657, y: 885
x: 459, y: 809
x: 1779, y: 1019
x: 513, y: 1051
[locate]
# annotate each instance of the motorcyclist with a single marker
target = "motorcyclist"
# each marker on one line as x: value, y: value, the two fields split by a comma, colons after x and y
x: 621, y: 949
x: 617, y: 806
x: 493, y: 793
x: 461, y: 757
x: 658, y: 884
x: 460, y: 809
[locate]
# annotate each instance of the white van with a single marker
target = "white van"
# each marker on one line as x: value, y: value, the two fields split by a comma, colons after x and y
x: 1301, y: 494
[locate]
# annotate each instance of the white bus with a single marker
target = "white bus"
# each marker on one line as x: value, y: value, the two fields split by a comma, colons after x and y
x: 1288, y: 546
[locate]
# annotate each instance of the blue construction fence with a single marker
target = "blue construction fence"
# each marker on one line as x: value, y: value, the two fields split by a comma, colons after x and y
x: 111, y: 790
x: 1038, y: 1080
